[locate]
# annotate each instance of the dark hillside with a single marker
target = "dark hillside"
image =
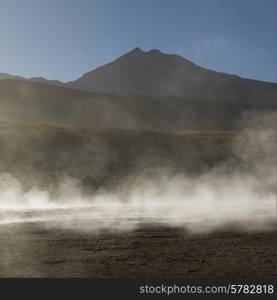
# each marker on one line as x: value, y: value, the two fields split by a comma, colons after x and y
x: 38, y: 102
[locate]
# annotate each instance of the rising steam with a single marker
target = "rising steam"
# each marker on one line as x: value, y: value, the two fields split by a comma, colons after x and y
x: 232, y: 193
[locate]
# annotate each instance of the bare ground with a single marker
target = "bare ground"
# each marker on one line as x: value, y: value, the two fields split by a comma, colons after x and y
x: 33, y: 250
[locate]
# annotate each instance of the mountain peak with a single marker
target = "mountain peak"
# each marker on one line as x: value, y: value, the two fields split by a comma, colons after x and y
x: 138, y: 50
x: 154, y: 51
x: 157, y: 73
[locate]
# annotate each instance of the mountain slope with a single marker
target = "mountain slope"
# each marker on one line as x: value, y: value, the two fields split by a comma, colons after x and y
x: 156, y: 73
x: 39, y: 102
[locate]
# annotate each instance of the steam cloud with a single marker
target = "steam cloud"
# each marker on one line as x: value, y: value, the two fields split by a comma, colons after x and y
x: 242, y: 195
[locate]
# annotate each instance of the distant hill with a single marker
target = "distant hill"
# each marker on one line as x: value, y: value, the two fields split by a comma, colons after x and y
x: 156, y: 73
x: 43, y: 80
x: 4, y: 76
x: 8, y: 76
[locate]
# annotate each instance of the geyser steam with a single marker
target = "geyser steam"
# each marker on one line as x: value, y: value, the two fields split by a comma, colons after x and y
x: 232, y: 193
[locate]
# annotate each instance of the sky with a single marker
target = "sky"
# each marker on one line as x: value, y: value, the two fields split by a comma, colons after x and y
x: 62, y: 39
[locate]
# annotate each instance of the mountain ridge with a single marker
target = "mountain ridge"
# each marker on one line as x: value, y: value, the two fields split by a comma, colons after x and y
x: 4, y: 76
x: 156, y: 73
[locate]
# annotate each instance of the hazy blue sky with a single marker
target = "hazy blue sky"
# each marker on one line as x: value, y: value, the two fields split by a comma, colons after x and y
x: 62, y: 39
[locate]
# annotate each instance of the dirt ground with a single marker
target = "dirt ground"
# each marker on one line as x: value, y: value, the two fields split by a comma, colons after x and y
x: 33, y: 250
